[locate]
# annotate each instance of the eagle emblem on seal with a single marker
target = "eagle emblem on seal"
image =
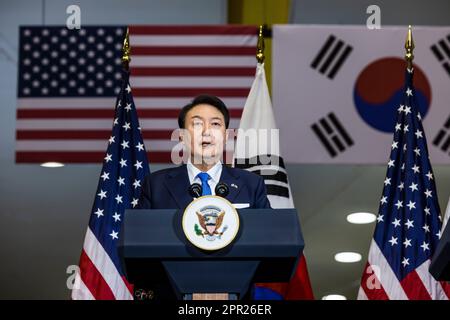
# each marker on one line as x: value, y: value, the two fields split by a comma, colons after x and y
x: 210, y: 220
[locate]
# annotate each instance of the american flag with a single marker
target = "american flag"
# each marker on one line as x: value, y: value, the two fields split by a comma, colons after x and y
x: 125, y: 166
x: 68, y: 80
x: 409, y: 220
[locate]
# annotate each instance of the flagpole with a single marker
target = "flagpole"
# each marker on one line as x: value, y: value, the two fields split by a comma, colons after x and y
x: 260, y: 45
x: 126, y: 58
x: 409, y: 46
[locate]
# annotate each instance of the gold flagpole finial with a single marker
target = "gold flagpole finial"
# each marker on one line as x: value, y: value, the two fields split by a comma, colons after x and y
x: 409, y: 46
x: 126, y: 51
x: 260, y: 45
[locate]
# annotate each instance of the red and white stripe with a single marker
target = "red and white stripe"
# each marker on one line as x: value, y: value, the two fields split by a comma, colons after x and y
x: 169, y: 66
x: 380, y: 283
x: 98, y: 277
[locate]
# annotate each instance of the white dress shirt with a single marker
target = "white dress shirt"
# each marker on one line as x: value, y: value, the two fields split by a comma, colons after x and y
x: 214, y: 173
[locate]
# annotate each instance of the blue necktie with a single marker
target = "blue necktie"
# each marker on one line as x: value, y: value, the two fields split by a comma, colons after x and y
x: 206, y: 189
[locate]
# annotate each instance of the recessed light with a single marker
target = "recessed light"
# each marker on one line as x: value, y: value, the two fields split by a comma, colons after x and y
x: 347, y: 257
x: 361, y: 217
x: 52, y: 164
x: 334, y: 297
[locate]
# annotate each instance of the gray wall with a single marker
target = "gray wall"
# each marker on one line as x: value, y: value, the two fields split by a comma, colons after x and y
x: 393, y: 12
x: 44, y: 212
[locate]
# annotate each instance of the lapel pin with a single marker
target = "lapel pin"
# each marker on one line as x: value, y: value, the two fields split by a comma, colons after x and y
x: 234, y: 186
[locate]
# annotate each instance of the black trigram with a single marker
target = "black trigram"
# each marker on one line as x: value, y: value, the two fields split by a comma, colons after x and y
x: 332, y: 134
x: 331, y: 56
x: 271, y: 168
x: 441, y: 51
x: 442, y: 139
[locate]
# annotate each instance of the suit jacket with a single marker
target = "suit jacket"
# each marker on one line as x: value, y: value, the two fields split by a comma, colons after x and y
x: 168, y: 188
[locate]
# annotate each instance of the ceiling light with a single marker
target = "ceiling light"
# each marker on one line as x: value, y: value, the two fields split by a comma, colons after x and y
x: 347, y: 257
x: 52, y: 164
x: 361, y: 217
x: 334, y: 297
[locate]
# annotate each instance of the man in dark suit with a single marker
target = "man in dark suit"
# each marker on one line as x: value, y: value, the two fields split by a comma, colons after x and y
x: 204, y: 123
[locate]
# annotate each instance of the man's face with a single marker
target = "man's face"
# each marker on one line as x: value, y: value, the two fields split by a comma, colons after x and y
x: 205, y: 134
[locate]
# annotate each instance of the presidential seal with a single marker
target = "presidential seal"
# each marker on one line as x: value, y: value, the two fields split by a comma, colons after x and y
x: 210, y: 222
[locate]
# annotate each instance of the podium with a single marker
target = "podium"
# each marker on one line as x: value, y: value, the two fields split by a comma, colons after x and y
x: 440, y: 264
x: 155, y: 252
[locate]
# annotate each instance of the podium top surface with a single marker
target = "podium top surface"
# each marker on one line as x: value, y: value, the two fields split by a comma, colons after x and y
x: 158, y: 234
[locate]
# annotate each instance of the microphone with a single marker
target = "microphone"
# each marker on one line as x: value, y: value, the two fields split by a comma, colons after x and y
x: 195, y: 190
x: 222, y: 189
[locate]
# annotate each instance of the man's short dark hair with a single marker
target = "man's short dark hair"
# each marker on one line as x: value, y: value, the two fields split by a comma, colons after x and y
x: 204, y: 99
